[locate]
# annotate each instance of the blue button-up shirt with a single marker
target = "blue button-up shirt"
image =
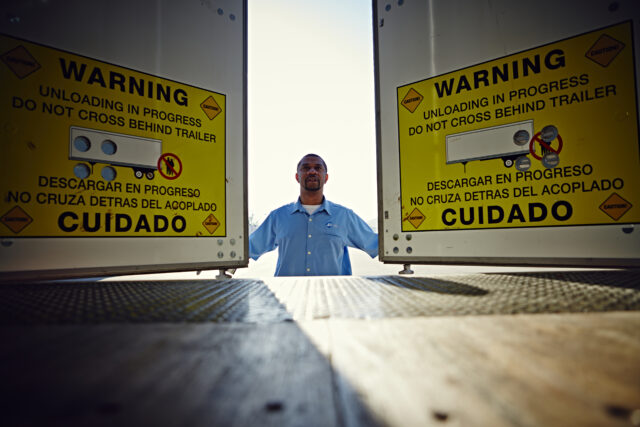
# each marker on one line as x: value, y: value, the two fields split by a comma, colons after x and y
x: 313, y: 245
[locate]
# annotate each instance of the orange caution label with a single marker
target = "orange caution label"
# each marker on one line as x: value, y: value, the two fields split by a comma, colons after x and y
x: 604, y: 50
x: 615, y: 206
x: 411, y: 100
x: 211, y: 223
x: 16, y: 219
x: 210, y: 107
x: 20, y: 61
x: 416, y: 217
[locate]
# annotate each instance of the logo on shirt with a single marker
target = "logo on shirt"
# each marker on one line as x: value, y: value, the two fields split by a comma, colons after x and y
x: 331, y: 225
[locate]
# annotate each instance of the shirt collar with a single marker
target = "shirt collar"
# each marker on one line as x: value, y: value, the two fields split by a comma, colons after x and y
x: 325, y: 205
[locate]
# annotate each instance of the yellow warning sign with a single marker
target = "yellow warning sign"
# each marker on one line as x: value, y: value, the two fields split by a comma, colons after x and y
x: 211, y: 223
x: 210, y: 107
x: 615, y: 206
x: 535, y: 139
x: 16, y: 219
x: 93, y: 149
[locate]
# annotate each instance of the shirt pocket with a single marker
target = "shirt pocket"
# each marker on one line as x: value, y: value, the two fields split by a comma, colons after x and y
x: 334, y: 234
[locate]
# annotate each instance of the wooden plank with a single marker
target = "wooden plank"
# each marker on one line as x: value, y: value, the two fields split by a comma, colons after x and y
x: 167, y: 375
x: 532, y: 370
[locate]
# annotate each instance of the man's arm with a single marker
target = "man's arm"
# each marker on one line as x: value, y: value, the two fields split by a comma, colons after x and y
x: 361, y: 236
x: 263, y: 239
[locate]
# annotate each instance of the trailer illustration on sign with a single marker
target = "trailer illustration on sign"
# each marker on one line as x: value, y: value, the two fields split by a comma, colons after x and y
x: 112, y: 149
x: 508, y: 142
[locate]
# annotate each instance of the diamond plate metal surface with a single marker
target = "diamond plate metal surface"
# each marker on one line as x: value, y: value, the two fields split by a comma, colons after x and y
x: 477, y: 294
x: 162, y: 301
x: 300, y: 298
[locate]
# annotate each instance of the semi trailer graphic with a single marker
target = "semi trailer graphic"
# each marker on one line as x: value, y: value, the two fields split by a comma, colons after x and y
x: 508, y: 142
x: 112, y: 149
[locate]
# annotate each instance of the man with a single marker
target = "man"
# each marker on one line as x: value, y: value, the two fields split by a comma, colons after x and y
x: 312, y: 234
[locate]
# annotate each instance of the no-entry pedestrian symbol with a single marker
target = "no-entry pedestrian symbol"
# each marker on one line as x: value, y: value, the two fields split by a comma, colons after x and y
x: 169, y: 166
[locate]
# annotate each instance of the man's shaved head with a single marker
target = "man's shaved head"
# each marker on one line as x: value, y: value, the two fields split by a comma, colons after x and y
x: 312, y: 155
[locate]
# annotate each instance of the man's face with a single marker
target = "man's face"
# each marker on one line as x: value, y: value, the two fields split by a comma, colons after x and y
x: 312, y: 174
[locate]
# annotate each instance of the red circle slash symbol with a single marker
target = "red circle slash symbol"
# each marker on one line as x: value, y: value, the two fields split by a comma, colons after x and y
x: 169, y: 166
x: 545, y: 145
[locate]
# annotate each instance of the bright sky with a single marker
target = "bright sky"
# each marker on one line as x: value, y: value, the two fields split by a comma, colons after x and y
x: 311, y: 90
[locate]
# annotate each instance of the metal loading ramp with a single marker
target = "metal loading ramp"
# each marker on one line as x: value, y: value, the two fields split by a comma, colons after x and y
x: 544, y: 348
